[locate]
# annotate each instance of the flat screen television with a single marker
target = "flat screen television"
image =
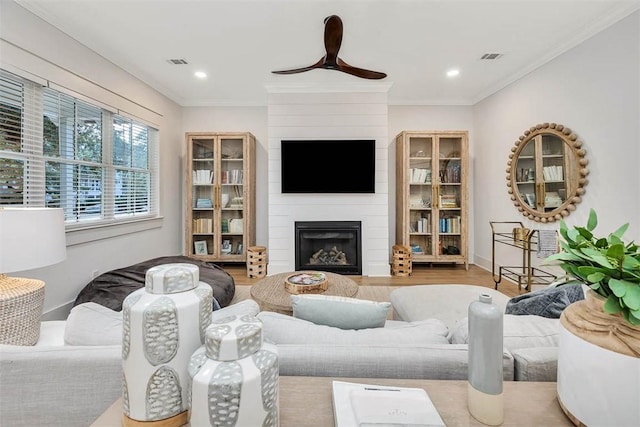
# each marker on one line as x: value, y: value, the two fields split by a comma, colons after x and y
x: 328, y: 166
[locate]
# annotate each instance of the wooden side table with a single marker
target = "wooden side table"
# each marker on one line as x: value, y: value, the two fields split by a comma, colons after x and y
x: 271, y: 295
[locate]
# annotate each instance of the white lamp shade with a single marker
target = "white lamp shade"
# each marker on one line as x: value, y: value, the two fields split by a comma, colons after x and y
x: 31, y: 238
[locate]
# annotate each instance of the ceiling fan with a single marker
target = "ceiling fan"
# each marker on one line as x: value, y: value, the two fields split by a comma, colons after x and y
x: 331, y: 61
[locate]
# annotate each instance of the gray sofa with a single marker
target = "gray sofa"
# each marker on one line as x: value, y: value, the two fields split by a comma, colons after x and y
x: 60, y: 382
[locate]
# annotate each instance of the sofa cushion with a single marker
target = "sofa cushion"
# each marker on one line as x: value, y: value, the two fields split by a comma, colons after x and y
x: 93, y: 324
x: 519, y: 332
x: 340, y: 312
x: 448, y: 303
x: 282, y: 329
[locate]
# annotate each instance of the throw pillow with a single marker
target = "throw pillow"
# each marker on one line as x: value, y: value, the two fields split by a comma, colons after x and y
x: 282, y: 329
x: 93, y: 324
x: 548, y: 302
x: 341, y: 312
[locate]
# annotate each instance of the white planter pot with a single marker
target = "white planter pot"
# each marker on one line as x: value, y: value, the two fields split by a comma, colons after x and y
x: 598, y: 366
x: 596, y: 386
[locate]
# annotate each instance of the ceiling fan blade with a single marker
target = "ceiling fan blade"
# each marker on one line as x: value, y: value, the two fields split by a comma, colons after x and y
x: 359, y: 72
x: 331, y: 61
x: 302, y: 69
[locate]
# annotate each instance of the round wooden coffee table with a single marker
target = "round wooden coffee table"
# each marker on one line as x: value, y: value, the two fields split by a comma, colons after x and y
x: 271, y: 295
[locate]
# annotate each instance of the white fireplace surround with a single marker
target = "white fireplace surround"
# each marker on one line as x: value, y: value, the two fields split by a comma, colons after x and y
x: 329, y: 111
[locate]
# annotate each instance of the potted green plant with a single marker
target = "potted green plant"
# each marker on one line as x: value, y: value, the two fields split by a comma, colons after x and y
x: 603, y: 330
x: 608, y: 265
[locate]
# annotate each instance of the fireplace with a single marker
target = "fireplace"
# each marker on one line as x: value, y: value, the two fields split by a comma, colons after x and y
x: 334, y: 246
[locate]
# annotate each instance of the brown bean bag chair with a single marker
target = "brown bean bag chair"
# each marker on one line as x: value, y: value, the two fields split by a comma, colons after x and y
x: 111, y: 288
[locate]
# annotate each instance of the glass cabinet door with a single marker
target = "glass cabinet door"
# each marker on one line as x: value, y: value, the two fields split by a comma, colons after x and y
x: 420, y: 176
x: 203, y: 195
x: 449, y: 195
x: 231, y: 197
x: 526, y: 175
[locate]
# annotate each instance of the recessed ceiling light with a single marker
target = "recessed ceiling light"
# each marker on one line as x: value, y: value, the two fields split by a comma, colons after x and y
x: 200, y: 74
x: 453, y: 73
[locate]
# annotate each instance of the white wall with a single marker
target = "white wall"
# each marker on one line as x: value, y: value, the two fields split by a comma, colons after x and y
x: 329, y: 112
x: 31, y: 45
x: 594, y: 89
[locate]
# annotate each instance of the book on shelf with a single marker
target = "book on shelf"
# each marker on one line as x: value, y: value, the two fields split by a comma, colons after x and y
x: 202, y: 225
x: 202, y: 176
x: 448, y: 201
x: 552, y: 173
x: 420, y: 175
x: 450, y: 224
x: 204, y: 203
x: 423, y: 224
x: 369, y: 405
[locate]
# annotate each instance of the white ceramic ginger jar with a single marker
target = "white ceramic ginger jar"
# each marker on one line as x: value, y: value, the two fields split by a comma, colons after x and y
x: 234, y: 376
x: 163, y: 324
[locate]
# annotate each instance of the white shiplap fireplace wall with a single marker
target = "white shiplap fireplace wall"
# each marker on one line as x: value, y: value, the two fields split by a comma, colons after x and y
x: 326, y: 111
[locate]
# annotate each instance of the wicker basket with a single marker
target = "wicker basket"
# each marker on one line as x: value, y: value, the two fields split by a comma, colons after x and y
x: 317, y: 283
x: 401, y: 264
x: 21, y: 302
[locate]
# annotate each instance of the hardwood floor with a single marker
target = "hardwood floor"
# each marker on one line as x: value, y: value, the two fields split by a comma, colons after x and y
x: 422, y: 275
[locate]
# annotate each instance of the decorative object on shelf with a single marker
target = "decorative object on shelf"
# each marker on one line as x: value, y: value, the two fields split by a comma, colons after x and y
x: 226, y: 246
x: 306, y: 282
x: 601, y: 331
x: 236, y: 225
x: 234, y: 376
x: 521, y: 236
x: 225, y: 200
x: 29, y: 238
x: 200, y: 247
x: 163, y: 324
x: 331, y: 61
x: 485, y: 398
x: 256, y: 262
x: 547, y: 160
x: 401, y: 263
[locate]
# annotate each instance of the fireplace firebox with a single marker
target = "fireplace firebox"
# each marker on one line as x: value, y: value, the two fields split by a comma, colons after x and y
x: 334, y: 246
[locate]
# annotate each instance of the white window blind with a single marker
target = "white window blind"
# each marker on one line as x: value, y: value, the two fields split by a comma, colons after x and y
x: 59, y: 151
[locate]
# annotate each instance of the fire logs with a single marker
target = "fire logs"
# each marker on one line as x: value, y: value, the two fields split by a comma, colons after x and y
x: 334, y: 256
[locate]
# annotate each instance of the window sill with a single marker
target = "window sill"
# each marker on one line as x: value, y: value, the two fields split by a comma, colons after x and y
x: 88, y: 234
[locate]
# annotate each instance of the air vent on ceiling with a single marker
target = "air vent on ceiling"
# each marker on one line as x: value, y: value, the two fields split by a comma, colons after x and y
x: 177, y: 61
x: 491, y: 56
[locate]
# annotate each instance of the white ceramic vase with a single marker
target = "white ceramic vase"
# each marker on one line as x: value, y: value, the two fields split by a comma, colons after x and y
x: 163, y: 324
x: 234, y: 376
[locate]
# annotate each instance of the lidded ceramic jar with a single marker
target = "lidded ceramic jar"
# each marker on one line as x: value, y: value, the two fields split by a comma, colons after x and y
x: 163, y: 324
x: 234, y: 376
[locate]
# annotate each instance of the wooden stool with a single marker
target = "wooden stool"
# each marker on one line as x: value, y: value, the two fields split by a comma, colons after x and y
x: 256, y: 261
x: 401, y: 264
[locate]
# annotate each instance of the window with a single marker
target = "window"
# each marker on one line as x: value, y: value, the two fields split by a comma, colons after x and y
x: 99, y: 166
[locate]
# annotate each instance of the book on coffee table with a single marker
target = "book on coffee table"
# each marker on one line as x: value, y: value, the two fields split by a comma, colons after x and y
x: 368, y: 405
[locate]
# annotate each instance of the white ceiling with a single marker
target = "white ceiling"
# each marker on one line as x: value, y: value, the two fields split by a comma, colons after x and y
x: 239, y: 42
